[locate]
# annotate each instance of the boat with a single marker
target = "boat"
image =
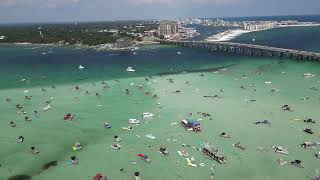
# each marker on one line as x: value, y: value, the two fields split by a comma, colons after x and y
x: 263, y: 122
x: 308, y: 144
x: 130, y: 69
x: 81, y: 67
x: 147, y: 115
x: 68, y: 117
x: 46, y: 108
x: 129, y: 128
x: 116, y: 138
x: 309, y: 120
x: 280, y: 149
x: 164, y: 151
x: 281, y: 162
x: 190, y: 163
x: 144, y: 157
x: 191, y: 125
x: 308, y: 130
x: 179, y: 53
x: 308, y: 75
x: 107, y: 125
x: 183, y: 153
x: 213, y: 154
x: 240, y: 146
x: 150, y: 136
x: 134, y: 121
x: 116, y: 146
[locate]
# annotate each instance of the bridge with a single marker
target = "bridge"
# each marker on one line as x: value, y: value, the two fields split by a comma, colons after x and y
x: 247, y: 49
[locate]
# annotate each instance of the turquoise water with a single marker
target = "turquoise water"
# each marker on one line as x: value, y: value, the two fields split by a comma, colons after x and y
x: 300, y: 38
x: 231, y: 113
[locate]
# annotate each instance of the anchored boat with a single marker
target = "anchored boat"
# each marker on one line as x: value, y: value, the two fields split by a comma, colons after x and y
x: 134, y: 121
x: 191, y: 125
x: 130, y: 69
x: 147, y: 115
x: 213, y: 154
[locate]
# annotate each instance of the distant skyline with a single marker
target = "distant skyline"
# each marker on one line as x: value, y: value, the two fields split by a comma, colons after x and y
x: 14, y: 11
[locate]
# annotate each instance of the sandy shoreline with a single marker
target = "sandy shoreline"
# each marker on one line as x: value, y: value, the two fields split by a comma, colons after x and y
x: 226, y: 35
x: 231, y: 34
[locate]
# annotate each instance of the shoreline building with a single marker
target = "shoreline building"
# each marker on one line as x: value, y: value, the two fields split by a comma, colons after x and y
x: 168, y: 28
x: 259, y: 25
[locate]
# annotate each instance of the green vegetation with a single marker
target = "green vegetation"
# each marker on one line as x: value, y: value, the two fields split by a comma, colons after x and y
x: 72, y: 33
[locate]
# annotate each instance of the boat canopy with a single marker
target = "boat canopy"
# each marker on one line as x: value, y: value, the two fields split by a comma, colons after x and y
x: 193, y: 122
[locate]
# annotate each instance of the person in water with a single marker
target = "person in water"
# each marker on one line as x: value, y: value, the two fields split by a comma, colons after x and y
x: 34, y: 150
x: 74, y: 160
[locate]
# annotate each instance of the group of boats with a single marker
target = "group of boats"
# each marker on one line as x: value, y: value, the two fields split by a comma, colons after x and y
x: 131, y: 120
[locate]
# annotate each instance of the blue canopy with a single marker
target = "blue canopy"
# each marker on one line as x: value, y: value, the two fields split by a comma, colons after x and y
x: 193, y: 122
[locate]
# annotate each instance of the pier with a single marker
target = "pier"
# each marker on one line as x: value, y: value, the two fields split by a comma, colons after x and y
x: 247, y: 49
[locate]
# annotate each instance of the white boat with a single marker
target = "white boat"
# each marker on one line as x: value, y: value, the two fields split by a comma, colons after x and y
x: 81, y: 67
x: 130, y: 69
x: 147, y: 115
x: 134, y: 121
x: 150, y: 136
x: 179, y: 53
x: 46, y: 108
x: 107, y: 125
x: 127, y: 128
x: 280, y: 149
x: 116, y: 138
x: 116, y: 146
x: 308, y: 75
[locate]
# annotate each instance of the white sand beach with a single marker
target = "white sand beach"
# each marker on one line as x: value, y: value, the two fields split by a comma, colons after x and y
x: 226, y: 35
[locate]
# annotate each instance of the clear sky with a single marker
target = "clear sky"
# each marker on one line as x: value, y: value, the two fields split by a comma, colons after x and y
x: 93, y: 10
